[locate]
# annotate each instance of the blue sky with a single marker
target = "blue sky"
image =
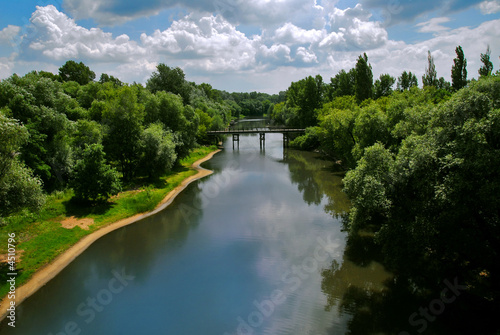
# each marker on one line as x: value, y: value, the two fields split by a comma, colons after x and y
x: 242, y: 45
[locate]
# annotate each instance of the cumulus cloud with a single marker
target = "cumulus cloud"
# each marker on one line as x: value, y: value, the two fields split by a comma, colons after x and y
x: 8, y: 33
x: 58, y: 37
x: 490, y: 7
x: 290, y: 34
x: 211, y: 40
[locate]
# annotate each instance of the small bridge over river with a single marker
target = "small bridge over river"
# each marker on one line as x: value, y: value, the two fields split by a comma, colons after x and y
x: 262, y: 134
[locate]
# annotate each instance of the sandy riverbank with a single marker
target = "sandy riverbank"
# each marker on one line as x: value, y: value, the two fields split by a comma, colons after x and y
x: 44, y: 275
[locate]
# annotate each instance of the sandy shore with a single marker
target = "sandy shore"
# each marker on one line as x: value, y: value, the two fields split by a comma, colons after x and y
x: 44, y: 275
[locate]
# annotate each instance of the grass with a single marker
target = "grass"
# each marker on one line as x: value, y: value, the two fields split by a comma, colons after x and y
x: 40, y: 238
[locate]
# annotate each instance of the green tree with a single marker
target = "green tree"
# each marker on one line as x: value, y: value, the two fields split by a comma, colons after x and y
x: 94, y: 179
x: 168, y: 109
x: 459, y: 70
x: 383, y: 86
x: 105, y: 78
x: 344, y: 83
x: 487, y: 68
x: 430, y: 76
x: 19, y: 188
x: 158, y: 150
x: 434, y: 200
x: 123, y: 129
x: 304, y: 98
x: 169, y: 80
x: 79, y: 72
x: 406, y: 81
x: 364, y: 79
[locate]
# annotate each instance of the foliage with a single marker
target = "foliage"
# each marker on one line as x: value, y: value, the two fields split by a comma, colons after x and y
x: 383, y: 86
x: 487, y: 68
x: 93, y: 179
x: 19, y: 188
x: 158, y: 150
x: 308, y: 141
x: 169, y: 80
x: 344, y: 83
x: 430, y: 76
x: 78, y: 72
x: 417, y: 196
x: 406, y: 81
x: 364, y: 79
x: 123, y: 123
x: 459, y: 70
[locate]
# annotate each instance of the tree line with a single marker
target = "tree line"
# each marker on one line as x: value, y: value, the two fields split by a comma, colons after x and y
x: 422, y: 168
x: 69, y: 130
x: 300, y: 104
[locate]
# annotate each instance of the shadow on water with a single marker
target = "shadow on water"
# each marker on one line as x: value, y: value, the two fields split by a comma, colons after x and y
x: 380, y: 302
x: 359, y: 287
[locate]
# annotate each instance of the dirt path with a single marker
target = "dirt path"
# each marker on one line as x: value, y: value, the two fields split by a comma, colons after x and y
x: 45, y: 274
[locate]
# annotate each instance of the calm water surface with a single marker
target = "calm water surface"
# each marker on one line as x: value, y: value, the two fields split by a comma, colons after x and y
x: 255, y: 248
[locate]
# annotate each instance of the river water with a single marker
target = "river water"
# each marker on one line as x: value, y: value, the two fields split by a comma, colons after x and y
x: 255, y: 248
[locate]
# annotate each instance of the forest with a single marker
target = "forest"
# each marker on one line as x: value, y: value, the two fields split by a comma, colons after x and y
x: 421, y: 171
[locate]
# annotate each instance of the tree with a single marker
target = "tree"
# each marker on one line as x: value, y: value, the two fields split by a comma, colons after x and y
x: 364, y: 79
x: 430, y: 76
x: 19, y: 188
x: 383, y: 86
x: 303, y: 98
x: 487, y: 67
x: 406, y: 81
x: 158, y: 150
x: 169, y: 80
x: 105, y: 78
x: 417, y: 198
x: 168, y: 109
x: 459, y: 70
x: 123, y: 129
x: 79, y: 72
x: 93, y: 179
x: 344, y: 83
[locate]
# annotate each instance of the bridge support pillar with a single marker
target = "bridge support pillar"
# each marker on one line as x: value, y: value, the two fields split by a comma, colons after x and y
x: 262, y: 139
x: 286, y: 140
x: 236, y: 138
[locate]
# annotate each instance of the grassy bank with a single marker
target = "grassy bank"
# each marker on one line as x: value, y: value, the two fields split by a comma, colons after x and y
x: 40, y: 238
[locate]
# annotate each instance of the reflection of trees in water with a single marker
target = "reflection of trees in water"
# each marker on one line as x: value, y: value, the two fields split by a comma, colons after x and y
x: 317, y: 178
x: 381, y: 303
x: 137, y: 246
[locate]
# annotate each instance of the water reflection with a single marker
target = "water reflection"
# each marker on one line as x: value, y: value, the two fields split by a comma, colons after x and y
x: 224, y: 247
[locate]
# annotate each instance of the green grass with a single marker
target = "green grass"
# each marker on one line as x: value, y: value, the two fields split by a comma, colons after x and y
x: 41, y: 237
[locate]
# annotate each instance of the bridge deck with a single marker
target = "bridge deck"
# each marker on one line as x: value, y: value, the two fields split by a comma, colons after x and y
x: 255, y: 131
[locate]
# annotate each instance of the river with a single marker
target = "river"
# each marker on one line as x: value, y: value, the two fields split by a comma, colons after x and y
x: 255, y: 248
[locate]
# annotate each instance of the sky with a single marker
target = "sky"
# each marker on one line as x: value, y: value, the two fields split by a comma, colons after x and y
x: 246, y: 45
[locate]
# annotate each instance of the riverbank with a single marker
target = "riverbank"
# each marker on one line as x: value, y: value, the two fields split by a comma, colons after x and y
x: 85, y: 238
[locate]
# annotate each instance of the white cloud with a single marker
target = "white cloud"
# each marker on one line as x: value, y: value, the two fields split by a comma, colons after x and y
x: 490, y: 7
x: 351, y: 29
x: 58, y: 37
x: 207, y: 42
x: 434, y: 25
x: 8, y: 33
x: 290, y: 34
x: 306, y: 56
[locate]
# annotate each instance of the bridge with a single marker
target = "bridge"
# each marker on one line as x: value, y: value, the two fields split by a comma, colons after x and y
x: 261, y: 131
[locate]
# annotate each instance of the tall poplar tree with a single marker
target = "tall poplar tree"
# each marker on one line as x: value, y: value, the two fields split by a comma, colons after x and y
x: 459, y: 70
x: 364, y: 79
x: 430, y: 76
x: 487, y: 67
